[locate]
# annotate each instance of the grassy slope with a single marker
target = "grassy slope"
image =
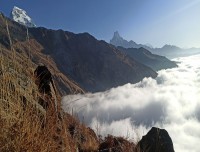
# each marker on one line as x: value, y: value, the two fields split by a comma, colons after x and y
x: 26, y: 126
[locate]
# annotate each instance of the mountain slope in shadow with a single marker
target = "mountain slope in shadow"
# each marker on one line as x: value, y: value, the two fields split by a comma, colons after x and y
x: 76, y: 58
x: 142, y: 55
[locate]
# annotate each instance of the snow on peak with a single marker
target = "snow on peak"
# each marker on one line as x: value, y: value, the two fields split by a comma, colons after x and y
x: 19, y: 15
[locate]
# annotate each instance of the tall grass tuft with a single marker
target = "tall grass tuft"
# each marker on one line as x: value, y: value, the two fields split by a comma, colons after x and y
x: 25, y: 124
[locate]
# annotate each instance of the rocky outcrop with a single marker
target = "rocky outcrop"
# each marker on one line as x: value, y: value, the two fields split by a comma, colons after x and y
x: 44, y: 79
x: 156, y: 140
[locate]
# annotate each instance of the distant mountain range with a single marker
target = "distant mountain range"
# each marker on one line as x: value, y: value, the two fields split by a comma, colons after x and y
x: 169, y: 51
x: 117, y: 40
x: 142, y: 55
x: 172, y: 51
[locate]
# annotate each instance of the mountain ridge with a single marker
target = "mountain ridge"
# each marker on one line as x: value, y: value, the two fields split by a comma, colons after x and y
x: 170, y: 51
x: 117, y: 40
x: 142, y: 55
x: 93, y: 70
x: 31, y: 47
x: 94, y: 65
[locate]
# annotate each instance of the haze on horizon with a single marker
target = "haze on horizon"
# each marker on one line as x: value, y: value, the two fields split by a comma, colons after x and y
x: 157, y: 22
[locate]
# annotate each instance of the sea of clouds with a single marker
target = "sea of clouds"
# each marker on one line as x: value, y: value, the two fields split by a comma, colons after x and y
x: 171, y: 101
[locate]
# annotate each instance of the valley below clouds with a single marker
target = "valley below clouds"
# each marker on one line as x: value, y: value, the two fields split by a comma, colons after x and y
x: 171, y: 101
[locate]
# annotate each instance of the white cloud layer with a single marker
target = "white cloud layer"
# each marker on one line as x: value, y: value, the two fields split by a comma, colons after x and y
x: 171, y: 101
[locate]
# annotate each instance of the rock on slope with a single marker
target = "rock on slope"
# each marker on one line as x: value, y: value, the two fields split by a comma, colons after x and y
x: 144, y: 56
x: 156, y: 140
x: 30, y: 111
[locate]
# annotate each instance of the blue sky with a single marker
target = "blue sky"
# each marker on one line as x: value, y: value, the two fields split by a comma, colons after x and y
x: 157, y: 22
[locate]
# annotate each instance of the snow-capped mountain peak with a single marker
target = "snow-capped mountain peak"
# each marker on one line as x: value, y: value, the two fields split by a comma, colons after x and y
x: 117, y: 40
x: 19, y: 15
x: 116, y: 35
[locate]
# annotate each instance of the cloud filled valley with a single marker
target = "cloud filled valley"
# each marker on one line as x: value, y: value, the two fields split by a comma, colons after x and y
x: 171, y: 101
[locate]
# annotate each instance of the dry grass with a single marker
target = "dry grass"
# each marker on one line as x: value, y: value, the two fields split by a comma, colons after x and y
x: 83, y: 137
x: 116, y: 144
x: 25, y: 125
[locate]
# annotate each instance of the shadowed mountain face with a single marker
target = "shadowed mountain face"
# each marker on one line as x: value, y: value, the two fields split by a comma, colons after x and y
x: 145, y: 57
x: 94, y: 65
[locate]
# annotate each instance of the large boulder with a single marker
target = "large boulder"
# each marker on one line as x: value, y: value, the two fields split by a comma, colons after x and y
x: 156, y: 140
x: 43, y: 79
x: 46, y: 87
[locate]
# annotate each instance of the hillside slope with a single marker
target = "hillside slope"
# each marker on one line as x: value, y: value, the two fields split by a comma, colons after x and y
x: 26, y: 124
x: 32, y: 48
x: 94, y: 65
